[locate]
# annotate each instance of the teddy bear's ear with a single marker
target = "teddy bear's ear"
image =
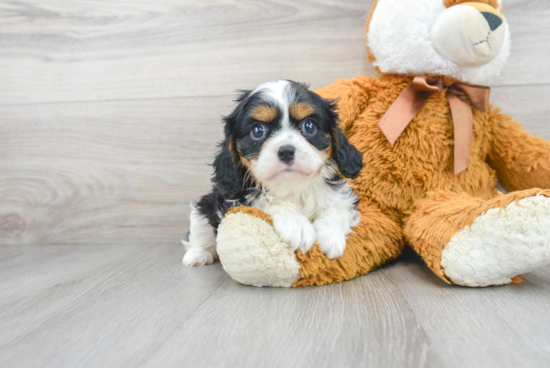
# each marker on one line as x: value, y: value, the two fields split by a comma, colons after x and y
x: 494, y: 3
x: 497, y: 4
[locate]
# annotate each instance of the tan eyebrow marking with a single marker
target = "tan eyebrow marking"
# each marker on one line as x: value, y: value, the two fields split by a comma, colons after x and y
x: 300, y: 110
x: 264, y: 113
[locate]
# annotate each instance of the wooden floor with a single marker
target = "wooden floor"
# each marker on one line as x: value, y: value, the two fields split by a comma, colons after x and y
x: 109, y: 112
x: 135, y: 305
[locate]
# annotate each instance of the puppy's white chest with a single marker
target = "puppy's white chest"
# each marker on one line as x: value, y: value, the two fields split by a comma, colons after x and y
x: 309, y: 202
x: 304, y: 205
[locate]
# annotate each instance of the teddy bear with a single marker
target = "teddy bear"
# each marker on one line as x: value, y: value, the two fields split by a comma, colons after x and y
x: 433, y: 150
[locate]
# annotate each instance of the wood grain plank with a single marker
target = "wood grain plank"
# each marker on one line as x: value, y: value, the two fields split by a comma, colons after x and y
x: 527, y: 105
x: 480, y: 325
x: 101, y: 50
x: 97, y: 50
x: 98, y: 305
x: 107, y: 296
x: 113, y: 172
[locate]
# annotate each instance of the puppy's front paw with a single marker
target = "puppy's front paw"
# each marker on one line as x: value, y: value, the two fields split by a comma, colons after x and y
x: 197, y: 257
x: 331, y: 239
x: 295, y: 230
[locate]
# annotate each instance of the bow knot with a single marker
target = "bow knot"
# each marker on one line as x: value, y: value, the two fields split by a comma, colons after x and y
x: 416, y: 94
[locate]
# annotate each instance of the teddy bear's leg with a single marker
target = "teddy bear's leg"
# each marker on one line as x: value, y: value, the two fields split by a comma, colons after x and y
x: 373, y: 242
x: 471, y: 242
x: 251, y: 252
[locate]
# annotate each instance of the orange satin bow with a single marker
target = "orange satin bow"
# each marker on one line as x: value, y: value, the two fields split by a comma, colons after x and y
x: 411, y: 100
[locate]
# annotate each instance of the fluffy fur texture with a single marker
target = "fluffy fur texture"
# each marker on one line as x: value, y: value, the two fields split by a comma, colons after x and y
x: 409, y: 192
x: 441, y: 215
x: 406, y: 46
x: 253, y: 254
x: 282, y: 153
x: 500, y: 244
x: 250, y: 255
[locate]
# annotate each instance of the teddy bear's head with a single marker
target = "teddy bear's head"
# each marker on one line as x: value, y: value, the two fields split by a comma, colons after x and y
x: 465, y: 40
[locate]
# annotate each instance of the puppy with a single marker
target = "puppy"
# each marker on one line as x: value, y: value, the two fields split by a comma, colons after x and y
x: 283, y: 153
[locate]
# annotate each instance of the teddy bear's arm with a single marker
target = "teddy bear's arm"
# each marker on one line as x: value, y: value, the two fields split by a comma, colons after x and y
x: 352, y: 96
x: 522, y: 160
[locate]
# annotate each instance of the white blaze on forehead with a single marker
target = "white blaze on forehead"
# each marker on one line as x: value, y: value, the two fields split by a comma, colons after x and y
x: 279, y: 93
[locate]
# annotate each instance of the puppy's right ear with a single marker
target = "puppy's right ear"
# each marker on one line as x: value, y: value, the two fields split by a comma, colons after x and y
x: 227, y: 173
x: 347, y: 157
x: 226, y: 170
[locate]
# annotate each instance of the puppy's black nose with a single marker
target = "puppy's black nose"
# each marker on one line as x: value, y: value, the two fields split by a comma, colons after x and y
x: 286, y: 153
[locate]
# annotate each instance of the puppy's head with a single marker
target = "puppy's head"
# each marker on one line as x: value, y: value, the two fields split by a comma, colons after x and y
x: 282, y: 133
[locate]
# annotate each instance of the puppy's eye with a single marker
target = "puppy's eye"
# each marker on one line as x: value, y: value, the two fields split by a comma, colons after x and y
x: 258, y: 132
x: 308, y: 128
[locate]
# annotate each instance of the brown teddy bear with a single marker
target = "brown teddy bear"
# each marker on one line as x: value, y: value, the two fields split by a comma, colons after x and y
x: 433, y: 150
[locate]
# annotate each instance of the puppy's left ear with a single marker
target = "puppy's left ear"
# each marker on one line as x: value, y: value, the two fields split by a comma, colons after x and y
x: 346, y: 156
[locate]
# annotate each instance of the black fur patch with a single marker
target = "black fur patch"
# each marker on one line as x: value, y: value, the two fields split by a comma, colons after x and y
x: 347, y: 157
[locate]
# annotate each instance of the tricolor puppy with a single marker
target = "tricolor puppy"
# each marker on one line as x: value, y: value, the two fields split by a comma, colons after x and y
x: 283, y: 153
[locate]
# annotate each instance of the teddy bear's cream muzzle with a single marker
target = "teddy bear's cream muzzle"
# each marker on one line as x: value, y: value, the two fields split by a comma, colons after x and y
x: 469, y: 34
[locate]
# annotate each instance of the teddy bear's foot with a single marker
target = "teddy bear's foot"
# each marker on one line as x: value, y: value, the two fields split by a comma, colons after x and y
x: 472, y: 242
x: 500, y: 244
x: 252, y: 253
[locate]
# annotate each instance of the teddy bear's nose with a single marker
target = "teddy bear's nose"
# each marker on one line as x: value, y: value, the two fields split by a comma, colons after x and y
x: 494, y: 20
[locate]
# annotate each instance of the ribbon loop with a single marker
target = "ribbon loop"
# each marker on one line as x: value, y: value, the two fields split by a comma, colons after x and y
x: 416, y: 94
x: 427, y: 84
